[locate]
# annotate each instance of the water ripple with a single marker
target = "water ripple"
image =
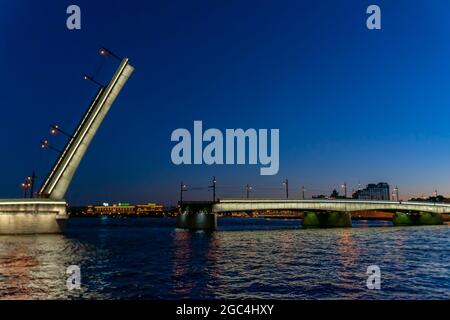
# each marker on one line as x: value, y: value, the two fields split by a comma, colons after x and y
x: 247, y: 259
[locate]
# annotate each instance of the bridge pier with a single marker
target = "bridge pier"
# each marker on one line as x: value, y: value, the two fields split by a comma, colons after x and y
x: 32, y: 216
x: 417, y: 218
x: 197, y: 221
x: 326, y: 219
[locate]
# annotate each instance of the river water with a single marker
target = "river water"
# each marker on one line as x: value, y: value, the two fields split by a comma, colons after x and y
x: 147, y: 258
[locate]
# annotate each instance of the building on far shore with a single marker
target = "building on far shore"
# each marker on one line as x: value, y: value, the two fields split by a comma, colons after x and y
x: 379, y: 191
x: 120, y: 209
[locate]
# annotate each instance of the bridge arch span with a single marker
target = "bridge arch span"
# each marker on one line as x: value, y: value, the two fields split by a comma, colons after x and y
x: 230, y: 205
x: 337, y: 213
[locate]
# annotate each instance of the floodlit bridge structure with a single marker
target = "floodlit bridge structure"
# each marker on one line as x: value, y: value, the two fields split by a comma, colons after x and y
x: 47, y: 213
x: 315, y: 213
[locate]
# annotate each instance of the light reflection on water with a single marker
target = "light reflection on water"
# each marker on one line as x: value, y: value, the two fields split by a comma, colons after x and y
x: 248, y: 258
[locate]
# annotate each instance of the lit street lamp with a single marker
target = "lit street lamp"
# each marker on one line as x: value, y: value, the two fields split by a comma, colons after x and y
x: 25, y: 186
x: 213, y: 186
x: 86, y: 77
x: 248, y: 189
x: 31, y: 179
x: 54, y: 129
x: 106, y: 52
x: 183, y: 188
x: 45, y: 144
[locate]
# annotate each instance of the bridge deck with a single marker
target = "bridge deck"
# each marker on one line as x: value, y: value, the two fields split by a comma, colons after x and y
x: 351, y: 205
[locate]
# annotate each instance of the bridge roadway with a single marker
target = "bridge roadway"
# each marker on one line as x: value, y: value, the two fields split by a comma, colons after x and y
x: 316, y: 213
x: 233, y: 205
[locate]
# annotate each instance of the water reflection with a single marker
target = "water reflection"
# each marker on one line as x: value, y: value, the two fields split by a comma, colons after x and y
x: 195, y: 254
x: 183, y: 284
x: 15, y: 272
x: 150, y: 259
x: 348, y: 250
x: 33, y: 267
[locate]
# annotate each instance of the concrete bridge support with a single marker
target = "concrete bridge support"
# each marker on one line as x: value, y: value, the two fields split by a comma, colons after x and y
x: 417, y: 218
x: 326, y: 219
x: 197, y: 221
x: 30, y: 216
x: 197, y: 215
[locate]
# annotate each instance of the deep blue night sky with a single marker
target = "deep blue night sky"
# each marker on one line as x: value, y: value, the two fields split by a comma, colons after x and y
x: 351, y: 104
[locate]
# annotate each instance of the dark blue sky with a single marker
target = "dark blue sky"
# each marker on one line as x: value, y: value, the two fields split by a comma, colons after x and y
x: 351, y: 104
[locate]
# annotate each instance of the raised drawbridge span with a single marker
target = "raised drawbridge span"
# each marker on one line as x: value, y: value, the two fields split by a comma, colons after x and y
x: 47, y: 213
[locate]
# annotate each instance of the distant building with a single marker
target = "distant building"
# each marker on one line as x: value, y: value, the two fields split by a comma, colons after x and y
x: 121, y: 209
x: 379, y: 191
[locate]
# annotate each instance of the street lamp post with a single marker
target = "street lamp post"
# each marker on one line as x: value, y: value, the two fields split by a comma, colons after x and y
x: 303, y: 192
x: 248, y: 189
x: 88, y: 78
x: 213, y: 186
x: 54, y: 129
x: 31, y: 180
x: 286, y: 185
x: 25, y: 186
x: 183, y: 188
x: 106, y: 52
x: 45, y: 144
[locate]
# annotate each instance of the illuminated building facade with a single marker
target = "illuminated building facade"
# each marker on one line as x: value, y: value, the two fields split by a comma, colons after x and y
x: 124, y: 209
